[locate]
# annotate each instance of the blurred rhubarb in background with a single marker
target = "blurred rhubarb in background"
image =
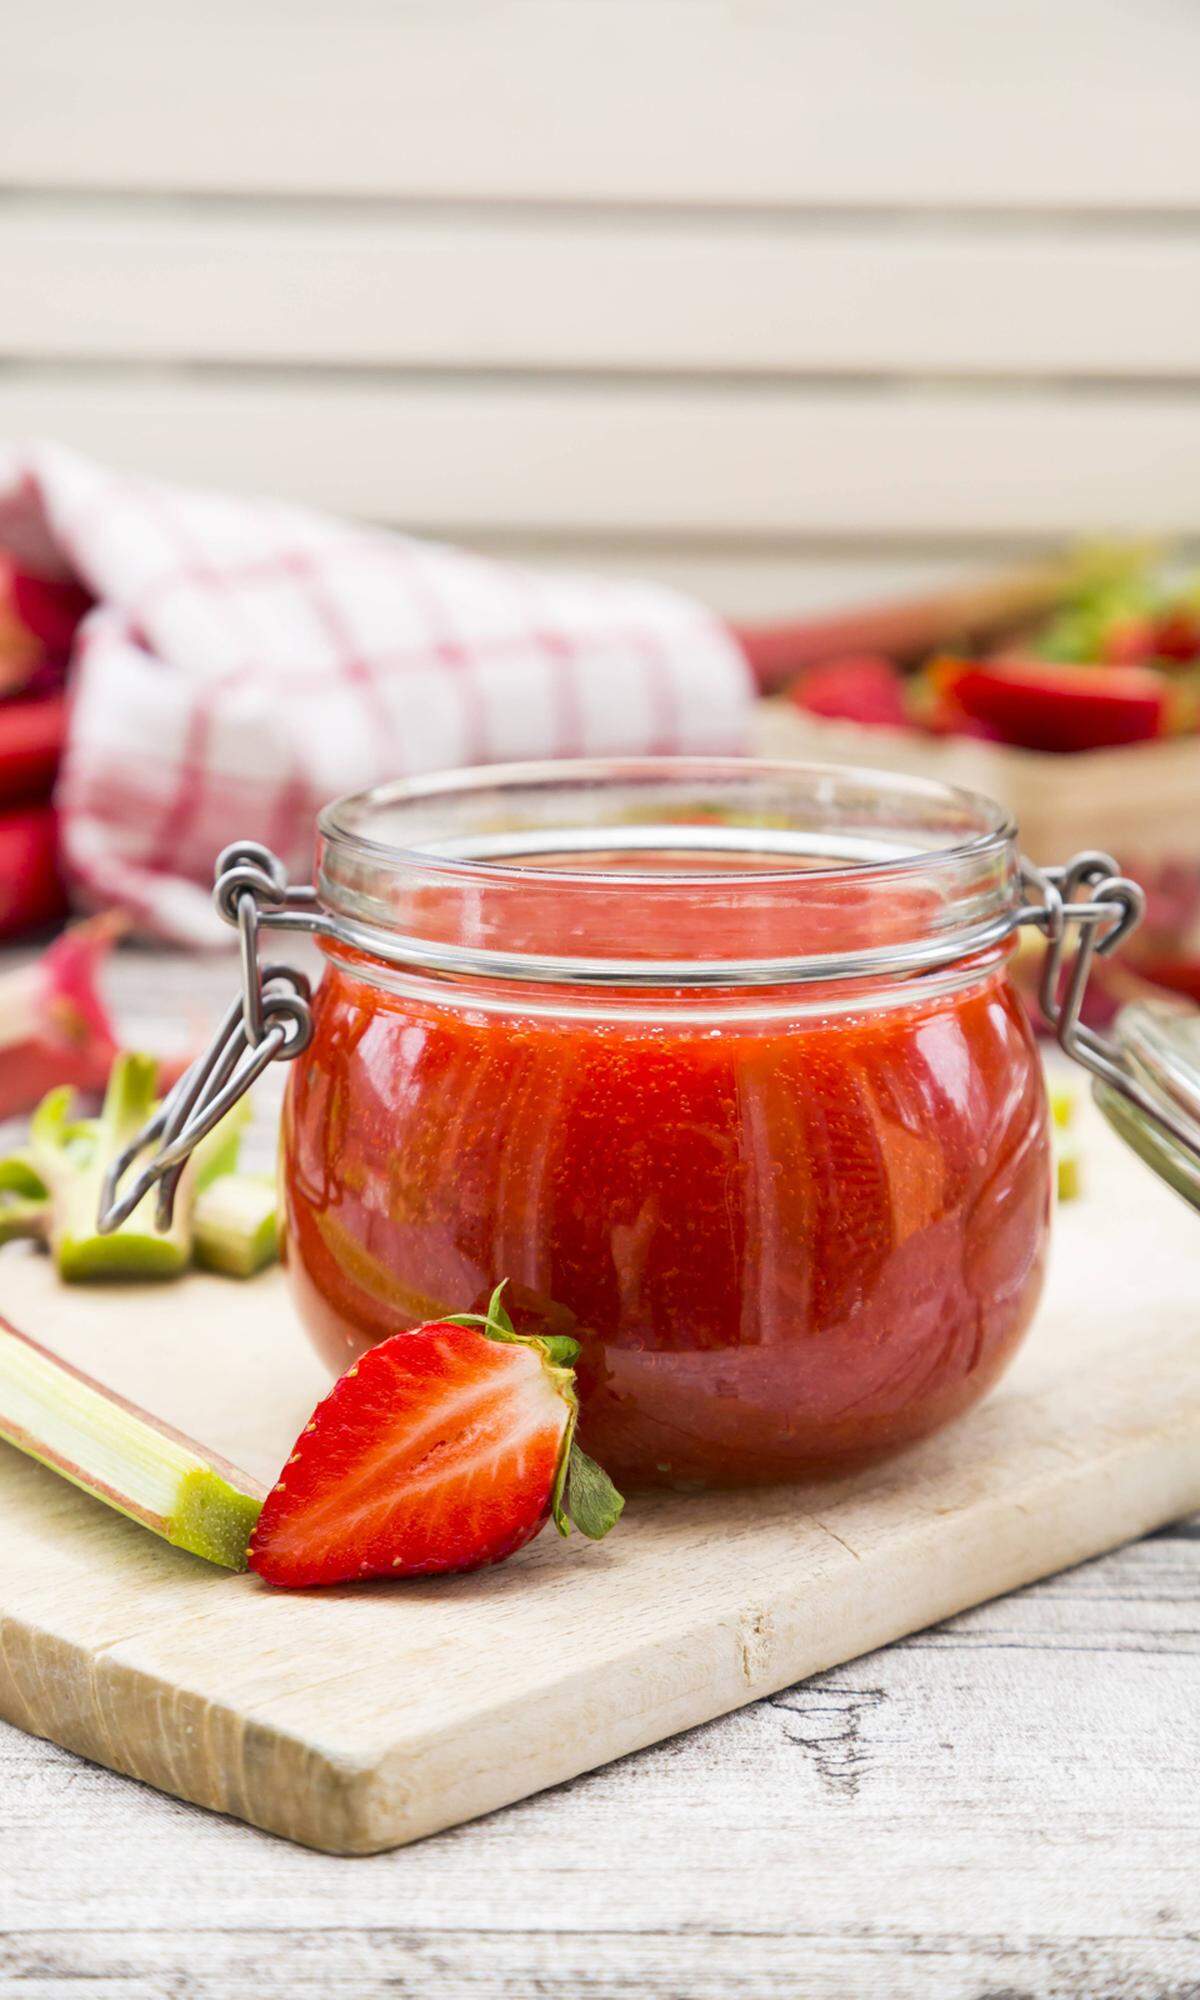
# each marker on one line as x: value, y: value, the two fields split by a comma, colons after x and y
x: 1092, y: 651
x: 39, y: 617
x: 1090, y: 655
x: 1100, y: 652
x: 54, y: 1025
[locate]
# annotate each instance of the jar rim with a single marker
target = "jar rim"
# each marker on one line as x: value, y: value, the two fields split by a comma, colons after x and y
x: 668, y: 872
x: 334, y: 826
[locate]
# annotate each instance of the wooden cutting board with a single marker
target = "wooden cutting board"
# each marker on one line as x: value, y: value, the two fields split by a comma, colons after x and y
x: 357, y: 1719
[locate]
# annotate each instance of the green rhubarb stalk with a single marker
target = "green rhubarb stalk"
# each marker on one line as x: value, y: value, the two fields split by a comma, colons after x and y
x: 235, y: 1228
x: 24, y: 1199
x: 122, y: 1455
x: 219, y: 1153
x: 71, y: 1157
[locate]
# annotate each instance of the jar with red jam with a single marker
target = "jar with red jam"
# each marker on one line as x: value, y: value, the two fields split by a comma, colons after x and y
x: 718, y: 1064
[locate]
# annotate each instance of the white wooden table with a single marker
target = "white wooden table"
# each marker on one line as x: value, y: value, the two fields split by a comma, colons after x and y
x: 1006, y: 1805
x: 1003, y: 1806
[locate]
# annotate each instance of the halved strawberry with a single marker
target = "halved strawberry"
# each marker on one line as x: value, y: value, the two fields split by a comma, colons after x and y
x: 446, y: 1448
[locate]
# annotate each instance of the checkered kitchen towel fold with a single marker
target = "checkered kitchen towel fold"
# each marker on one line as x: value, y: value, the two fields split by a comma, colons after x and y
x: 247, y: 661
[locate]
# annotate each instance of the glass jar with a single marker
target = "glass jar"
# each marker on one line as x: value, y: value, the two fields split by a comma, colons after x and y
x: 718, y: 1064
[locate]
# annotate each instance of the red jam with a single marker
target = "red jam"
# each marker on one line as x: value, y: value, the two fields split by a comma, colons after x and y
x: 788, y: 1240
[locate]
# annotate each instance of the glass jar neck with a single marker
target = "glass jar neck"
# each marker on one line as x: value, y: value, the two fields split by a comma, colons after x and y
x: 670, y: 874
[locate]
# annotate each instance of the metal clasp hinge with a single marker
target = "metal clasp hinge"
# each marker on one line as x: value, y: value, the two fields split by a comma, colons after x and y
x: 270, y: 1019
x: 1089, y: 905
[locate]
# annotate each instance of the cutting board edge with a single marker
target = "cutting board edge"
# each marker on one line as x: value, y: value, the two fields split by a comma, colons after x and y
x: 761, y: 1649
x: 269, y: 1775
x: 92, y: 1702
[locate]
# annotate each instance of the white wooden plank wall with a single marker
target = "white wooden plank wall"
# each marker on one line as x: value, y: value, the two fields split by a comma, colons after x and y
x: 779, y: 302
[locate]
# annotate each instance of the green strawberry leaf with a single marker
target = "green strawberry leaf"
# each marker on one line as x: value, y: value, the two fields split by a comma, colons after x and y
x: 497, y: 1311
x: 593, y: 1502
x: 558, y: 1509
x: 495, y: 1322
x: 559, y: 1348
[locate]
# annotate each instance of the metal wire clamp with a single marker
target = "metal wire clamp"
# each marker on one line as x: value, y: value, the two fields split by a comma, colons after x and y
x: 270, y: 1018
x: 1099, y: 908
x: 1084, y: 909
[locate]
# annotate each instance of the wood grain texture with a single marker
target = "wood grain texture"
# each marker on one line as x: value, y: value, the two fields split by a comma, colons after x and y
x: 355, y: 1720
x: 633, y: 101
x: 696, y: 283
x: 646, y: 459
x: 1002, y: 1806
x: 129, y: 281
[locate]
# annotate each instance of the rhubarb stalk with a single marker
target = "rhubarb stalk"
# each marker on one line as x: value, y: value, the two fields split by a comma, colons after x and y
x: 54, y: 1027
x: 910, y: 627
x: 71, y: 1157
x: 235, y: 1227
x: 122, y: 1455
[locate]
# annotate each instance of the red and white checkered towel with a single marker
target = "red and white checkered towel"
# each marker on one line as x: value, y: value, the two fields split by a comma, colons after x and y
x: 248, y: 661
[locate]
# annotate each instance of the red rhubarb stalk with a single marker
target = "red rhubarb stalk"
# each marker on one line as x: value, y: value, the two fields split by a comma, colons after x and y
x: 906, y: 628
x: 54, y: 1026
x: 31, y: 887
x: 32, y: 734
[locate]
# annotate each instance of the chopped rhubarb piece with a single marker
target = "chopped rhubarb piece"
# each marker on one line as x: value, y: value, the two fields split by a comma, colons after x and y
x: 71, y: 1158
x: 123, y: 1456
x: 235, y: 1225
x: 860, y: 687
x: 446, y: 1448
x: 24, y: 1199
x: 908, y: 628
x: 1130, y: 642
x: 1046, y: 705
x: 1177, y: 635
x: 932, y: 706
